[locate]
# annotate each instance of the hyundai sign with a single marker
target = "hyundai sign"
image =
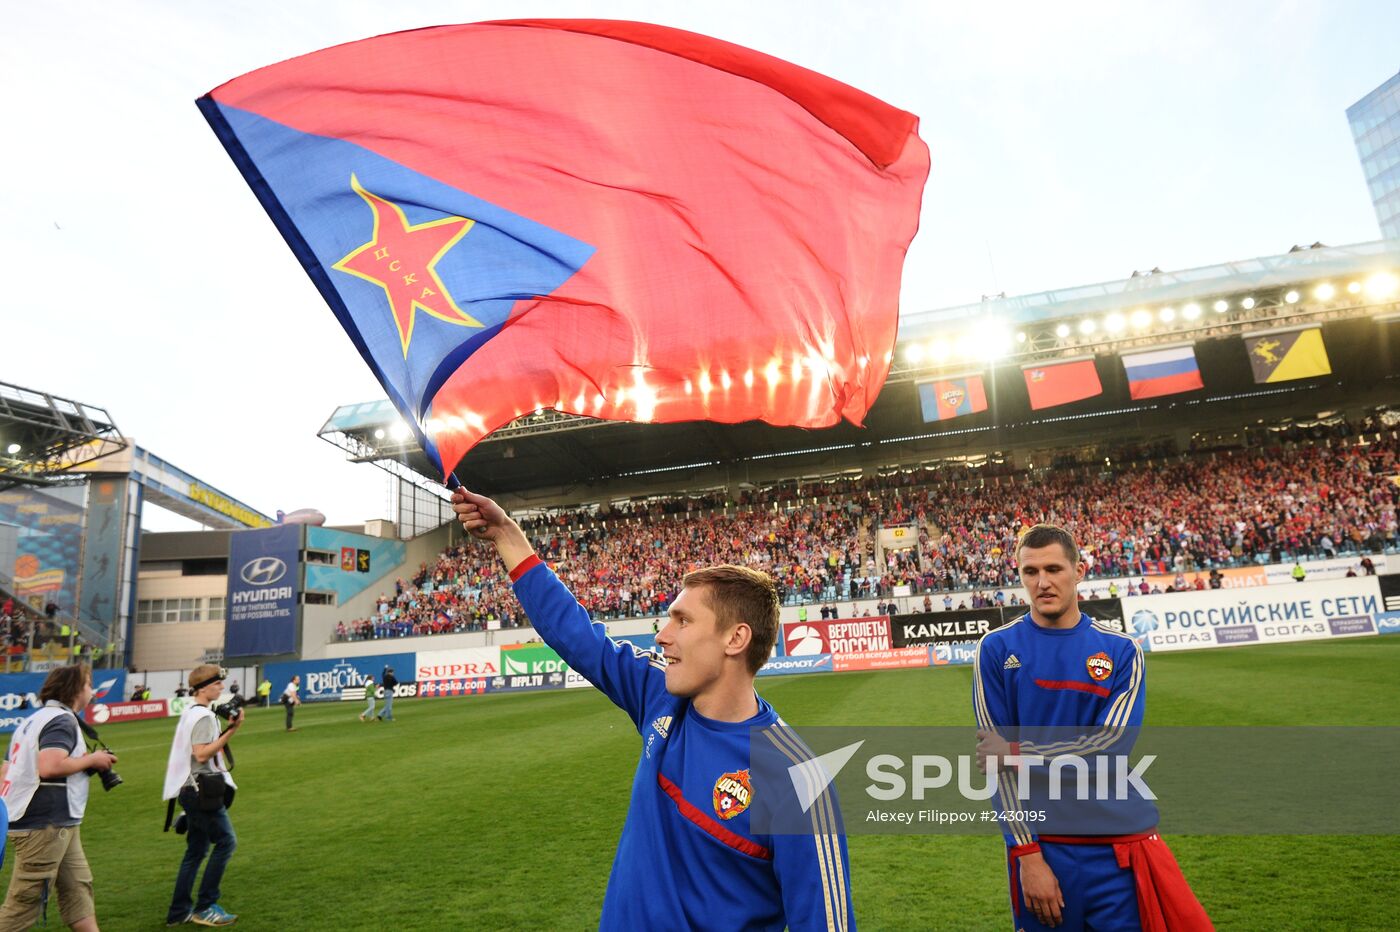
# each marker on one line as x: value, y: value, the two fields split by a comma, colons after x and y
x: 264, y: 581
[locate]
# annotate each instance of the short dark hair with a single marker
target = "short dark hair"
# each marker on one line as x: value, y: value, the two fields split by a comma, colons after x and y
x: 737, y: 593
x: 1043, y: 535
x: 64, y: 683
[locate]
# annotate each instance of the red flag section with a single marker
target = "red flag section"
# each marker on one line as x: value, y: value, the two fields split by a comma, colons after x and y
x: 1060, y: 383
x: 749, y: 219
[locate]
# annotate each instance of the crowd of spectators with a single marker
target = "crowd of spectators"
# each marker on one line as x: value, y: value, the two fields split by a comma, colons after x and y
x: 25, y: 628
x: 1152, y: 511
x: 16, y: 624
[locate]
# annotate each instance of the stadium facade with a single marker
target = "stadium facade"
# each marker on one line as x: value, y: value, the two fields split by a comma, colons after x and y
x: 72, y: 493
x: 1375, y: 126
x: 1349, y: 294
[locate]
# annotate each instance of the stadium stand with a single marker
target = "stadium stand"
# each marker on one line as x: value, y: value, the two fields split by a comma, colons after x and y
x: 1272, y: 494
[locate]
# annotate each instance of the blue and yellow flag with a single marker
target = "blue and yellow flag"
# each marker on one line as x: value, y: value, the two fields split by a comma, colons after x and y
x: 1281, y: 356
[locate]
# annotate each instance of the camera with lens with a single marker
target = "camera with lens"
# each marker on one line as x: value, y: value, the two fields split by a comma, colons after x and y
x: 231, y: 709
x: 109, y: 777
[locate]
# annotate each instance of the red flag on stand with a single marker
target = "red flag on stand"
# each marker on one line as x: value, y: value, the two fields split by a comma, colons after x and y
x: 1059, y: 383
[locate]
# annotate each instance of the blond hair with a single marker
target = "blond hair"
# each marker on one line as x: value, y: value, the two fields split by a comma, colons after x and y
x: 739, y: 594
x: 202, y: 672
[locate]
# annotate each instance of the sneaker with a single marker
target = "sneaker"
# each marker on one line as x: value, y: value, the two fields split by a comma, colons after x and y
x: 213, y: 916
x: 179, y: 922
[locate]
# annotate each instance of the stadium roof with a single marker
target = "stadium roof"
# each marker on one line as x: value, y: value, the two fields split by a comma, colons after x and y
x: 1351, y: 292
x: 42, y: 436
x: 1154, y: 287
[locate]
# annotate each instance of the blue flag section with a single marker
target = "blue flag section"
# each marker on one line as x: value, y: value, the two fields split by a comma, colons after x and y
x: 264, y: 586
x: 418, y: 288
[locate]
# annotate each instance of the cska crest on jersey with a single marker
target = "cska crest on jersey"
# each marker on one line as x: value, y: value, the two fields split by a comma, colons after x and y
x: 1100, y: 666
x: 732, y: 794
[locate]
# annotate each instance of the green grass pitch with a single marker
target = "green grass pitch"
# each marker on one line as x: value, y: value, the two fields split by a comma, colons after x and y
x: 502, y: 812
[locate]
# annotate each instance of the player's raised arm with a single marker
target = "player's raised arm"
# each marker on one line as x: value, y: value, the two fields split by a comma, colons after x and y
x: 625, y: 674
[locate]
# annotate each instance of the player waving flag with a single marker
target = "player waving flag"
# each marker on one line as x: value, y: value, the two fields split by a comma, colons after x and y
x: 688, y: 857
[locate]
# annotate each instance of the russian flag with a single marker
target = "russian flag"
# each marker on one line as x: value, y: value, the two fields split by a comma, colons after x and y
x: 1162, y: 372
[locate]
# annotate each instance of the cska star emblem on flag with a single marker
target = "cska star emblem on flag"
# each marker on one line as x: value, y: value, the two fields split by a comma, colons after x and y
x: 732, y: 795
x: 402, y: 258
x: 954, y: 397
x: 1100, y: 666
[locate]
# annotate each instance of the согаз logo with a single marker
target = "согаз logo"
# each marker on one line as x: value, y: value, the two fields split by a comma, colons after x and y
x: 262, y: 571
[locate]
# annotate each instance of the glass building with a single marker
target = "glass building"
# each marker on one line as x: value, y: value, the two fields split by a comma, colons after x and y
x: 1375, y: 125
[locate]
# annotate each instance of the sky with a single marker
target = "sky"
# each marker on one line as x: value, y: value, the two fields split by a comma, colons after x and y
x: 1071, y: 144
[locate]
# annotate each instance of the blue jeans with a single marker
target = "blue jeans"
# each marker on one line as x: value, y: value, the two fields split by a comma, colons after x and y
x: 205, y: 828
x: 388, y: 712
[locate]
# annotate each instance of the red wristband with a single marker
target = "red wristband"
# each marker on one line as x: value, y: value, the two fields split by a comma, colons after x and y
x: 524, y: 566
x: 1017, y: 851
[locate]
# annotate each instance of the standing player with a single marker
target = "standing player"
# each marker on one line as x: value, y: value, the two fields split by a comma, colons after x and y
x: 370, y: 687
x: 687, y: 857
x: 291, y: 698
x: 1056, y: 668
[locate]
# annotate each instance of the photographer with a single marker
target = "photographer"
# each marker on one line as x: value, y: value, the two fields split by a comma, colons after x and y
x: 197, y: 775
x: 45, y: 785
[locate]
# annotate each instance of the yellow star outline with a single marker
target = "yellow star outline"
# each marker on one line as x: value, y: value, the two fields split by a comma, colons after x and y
x: 401, y: 258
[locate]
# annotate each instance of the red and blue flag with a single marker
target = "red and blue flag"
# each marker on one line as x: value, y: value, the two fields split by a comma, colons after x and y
x: 952, y: 397
x: 609, y: 219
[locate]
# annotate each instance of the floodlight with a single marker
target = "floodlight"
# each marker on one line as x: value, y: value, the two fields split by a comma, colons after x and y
x: 1381, y: 285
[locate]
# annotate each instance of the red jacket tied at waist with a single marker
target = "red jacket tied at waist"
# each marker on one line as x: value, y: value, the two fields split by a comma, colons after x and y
x: 1165, y: 900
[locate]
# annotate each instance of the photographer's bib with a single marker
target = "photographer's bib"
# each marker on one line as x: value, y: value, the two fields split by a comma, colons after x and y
x: 178, y: 769
x: 22, y: 779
